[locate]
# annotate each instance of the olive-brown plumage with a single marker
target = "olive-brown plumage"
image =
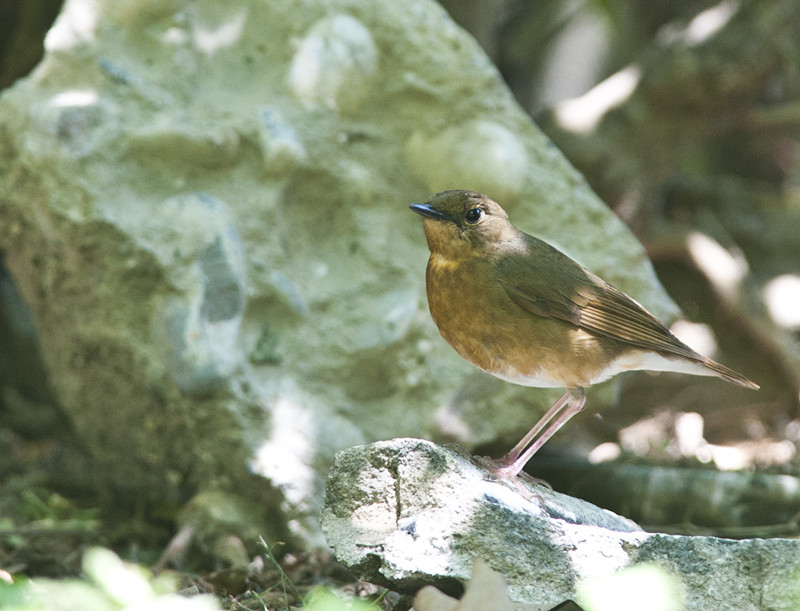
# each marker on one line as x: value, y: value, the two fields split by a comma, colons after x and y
x: 523, y: 311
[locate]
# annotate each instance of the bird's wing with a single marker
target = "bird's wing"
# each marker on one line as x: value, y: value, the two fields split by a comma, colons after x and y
x: 545, y: 282
x: 583, y: 299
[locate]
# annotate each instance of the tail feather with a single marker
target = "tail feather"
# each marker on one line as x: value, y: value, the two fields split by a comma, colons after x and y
x: 729, y: 375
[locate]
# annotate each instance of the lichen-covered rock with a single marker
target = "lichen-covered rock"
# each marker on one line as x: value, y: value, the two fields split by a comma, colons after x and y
x: 205, y: 207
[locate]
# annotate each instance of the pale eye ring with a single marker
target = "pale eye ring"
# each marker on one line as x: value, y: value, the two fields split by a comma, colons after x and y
x: 473, y: 215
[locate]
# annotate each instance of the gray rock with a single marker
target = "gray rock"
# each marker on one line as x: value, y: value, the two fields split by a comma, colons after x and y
x: 206, y: 208
x: 407, y: 513
x: 197, y: 332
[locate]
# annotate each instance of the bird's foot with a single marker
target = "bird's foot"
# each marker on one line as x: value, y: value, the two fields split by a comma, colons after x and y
x: 499, y: 471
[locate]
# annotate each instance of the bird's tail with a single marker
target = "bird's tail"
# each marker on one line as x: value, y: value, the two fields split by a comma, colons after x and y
x: 728, y: 374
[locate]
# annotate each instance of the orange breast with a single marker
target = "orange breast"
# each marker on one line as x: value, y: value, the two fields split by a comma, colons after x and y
x: 479, y: 320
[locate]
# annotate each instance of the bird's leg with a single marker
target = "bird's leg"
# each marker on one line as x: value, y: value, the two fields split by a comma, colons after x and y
x: 570, y: 403
x: 514, y: 453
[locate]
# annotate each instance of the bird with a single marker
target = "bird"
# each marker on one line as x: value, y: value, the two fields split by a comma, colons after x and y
x: 521, y: 310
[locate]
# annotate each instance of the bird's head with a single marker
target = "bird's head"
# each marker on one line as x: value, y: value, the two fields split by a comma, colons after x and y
x: 460, y: 224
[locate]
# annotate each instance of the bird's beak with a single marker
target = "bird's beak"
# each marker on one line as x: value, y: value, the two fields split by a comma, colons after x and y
x: 430, y: 212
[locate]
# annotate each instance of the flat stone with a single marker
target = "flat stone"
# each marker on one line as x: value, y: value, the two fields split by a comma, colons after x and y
x: 407, y: 513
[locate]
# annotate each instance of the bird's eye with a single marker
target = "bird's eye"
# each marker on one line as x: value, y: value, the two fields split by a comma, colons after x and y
x: 473, y: 215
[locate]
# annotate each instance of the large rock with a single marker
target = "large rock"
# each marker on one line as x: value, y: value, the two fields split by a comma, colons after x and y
x: 407, y: 513
x: 205, y: 207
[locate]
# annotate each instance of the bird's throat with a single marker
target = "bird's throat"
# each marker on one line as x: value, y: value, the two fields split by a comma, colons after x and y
x: 441, y: 263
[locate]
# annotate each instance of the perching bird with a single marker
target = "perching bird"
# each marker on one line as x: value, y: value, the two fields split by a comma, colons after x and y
x: 523, y: 311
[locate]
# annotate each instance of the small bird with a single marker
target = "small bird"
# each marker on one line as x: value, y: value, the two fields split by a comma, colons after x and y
x: 521, y: 310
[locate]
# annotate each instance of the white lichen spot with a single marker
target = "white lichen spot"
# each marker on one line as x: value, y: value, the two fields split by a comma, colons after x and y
x: 480, y: 155
x: 335, y: 65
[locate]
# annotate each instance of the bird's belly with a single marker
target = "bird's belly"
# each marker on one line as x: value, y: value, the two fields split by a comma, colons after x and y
x: 529, y: 363
x: 536, y: 379
x: 516, y: 350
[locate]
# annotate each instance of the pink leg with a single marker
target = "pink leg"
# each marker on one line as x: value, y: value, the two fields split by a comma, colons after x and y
x: 514, y: 453
x: 570, y: 403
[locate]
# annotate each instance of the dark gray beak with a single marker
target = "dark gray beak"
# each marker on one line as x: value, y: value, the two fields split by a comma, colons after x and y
x: 430, y: 212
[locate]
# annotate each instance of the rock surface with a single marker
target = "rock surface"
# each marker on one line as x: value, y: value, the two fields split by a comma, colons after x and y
x: 205, y: 206
x: 407, y: 513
